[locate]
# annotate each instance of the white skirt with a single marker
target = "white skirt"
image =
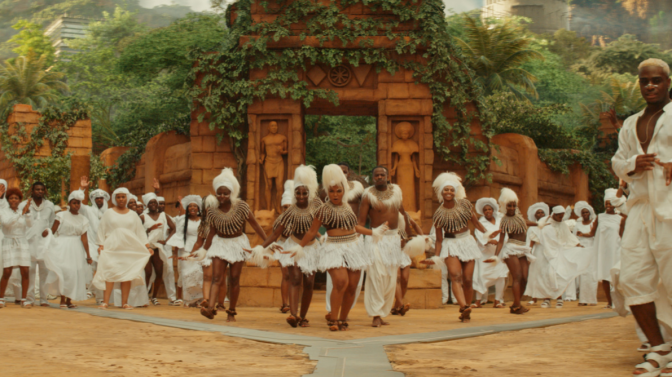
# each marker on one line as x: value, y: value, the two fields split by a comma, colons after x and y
x: 228, y: 249
x: 346, y: 251
x: 512, y: 249
x: 307, y: 264
x: 15, y: 252
x: 463, y: 247
x: 69, y: 273
x: 123, y: 258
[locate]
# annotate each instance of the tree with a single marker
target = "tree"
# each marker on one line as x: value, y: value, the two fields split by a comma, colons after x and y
x: 496, y: 52
x: 569, y: 46
x: 31, y: 38
x: 26, y: 81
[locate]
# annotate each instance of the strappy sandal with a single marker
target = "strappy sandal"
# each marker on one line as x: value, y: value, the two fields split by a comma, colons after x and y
x: 207, y: 313
x: 499, y: 305
x: 661, y: 360
x: 559, y: 304
x: 465, y: 314
x: 304, y: 323
x: 127, y: 307
x: 177, y: 302
x: 342, y: 326
x: 64, y: 306
x: 155, y: 301
x: 644, y: 347
x: 284, y: 308
x: 293, y: 321
x: 232, y: 313
x: 518, y: 309
x: 332, y: 325
x: 72, y: 306
x: 404, y: 309
x: 102, y: 306
x: 667, y: 374
x: 546, y: 304
x: 476, y: 305
x: 2, y: 303
x: 394, y: 311
x: 26, y: 305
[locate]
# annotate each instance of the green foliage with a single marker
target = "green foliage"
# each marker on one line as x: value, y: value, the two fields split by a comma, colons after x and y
x: 569, y: 46
x: 26, y: 81
x: 31, y: 39
x: 225, y: 89
x: 98, y: 171
x: 349, y: 139
x: 52, y: 170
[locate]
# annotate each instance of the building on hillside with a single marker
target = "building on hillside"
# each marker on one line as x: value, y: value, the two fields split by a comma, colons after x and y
x: 63, y: 29
x: 548, y: 16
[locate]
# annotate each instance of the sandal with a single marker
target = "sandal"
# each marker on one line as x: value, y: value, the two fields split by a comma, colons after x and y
x: 661, y: 360
x: 342, y: 326
x: 332, y: 325
x: 645, y: 347
x: 2, y: 303
x: 155, y: 301
x: 232, y: 313
x: 465, y: 315
x: 64, y: 306
x: 476, y: 305
x: 127, y: 307
x: 72, y: 306
x: 394, y: 311
x: 207, y: 313
x: 404, y: 309
x: 559, y: 304
x: 546, y: 304
x: 177, y: 302
x: 102, y: 306
x: 293, y: 321
x: 499, y: 305
x: 284, y: 308
x: 667, y: 374
x: 518, y: 309
x: 304, y: 323
x: 26, y: 305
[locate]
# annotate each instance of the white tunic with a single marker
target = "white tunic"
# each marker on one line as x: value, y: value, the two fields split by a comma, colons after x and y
x: 588, y: 281
x: 93, y: 214
x: 42, y: 217
x: 65, y: 257
x: 486, y: 274
x: 15, y: 227
x: 124, y: 255
x: 607, y: 244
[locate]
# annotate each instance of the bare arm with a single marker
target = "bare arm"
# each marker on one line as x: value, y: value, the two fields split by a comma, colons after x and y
x: 364, y: 206
x: 439, y: 241
x: 362, y: 230
x: 622, y: 227
x: 54, y: 228
x: 311, y: 233
x: 593, y: 230
x: 199, y: 243
x: 274, y: 236
x: 255, y: 225
x: 477, y: 224
x: 208, y: 241
x: 500, y: 244
x: 85, y: 242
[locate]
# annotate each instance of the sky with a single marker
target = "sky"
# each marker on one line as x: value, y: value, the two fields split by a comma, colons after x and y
x: 201, y: 5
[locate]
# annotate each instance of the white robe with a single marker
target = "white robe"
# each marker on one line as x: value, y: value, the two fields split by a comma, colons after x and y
x: 488, y: 274
x: 607, y: 244
x: 43, y: 217
x: 190, y: 272
x: 381, y: 275
x: 588, y: 280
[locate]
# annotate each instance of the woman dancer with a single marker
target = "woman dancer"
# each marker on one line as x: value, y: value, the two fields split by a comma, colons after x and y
x: 124, y: 250
x: 458, y: 247
x: 132, y: 202
x: 607, y: 230
x: 535, y: 213
x: 154, y: 221
x: 490, y: 273
x: 190, y: 272
x: 15, y: 252
x: 67, y: 256
x: 139, y: 208
x: 226, y: 240
x: 293, y: 225
x: 514, y: 252
x: 343, y: 255
x: 286, y: 202
x: 583, y: 230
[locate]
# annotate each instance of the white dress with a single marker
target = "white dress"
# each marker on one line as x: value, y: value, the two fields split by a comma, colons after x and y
x: 587, y: 281
x: 190, y: 272
x: 65, y: 257
x: 124, y: 255
x: 15, y: 227
x: 607, y: 244
x: 487, y: 274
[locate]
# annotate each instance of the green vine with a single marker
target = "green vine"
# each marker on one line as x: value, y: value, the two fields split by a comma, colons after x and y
x: 20, y: 147
x: 98, y: 171
x: 226, y: 89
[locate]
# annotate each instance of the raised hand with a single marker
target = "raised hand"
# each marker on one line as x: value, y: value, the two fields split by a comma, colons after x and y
x: 154, y: 227
x: 156, y: 185
x: 84, y: 183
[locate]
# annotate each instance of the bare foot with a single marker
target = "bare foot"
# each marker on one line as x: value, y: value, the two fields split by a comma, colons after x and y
x: 377, y: 322
x: 384, y: 323
x: 231, y: 315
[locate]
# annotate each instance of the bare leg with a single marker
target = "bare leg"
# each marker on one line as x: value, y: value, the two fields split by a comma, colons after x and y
x: 109, y: 288
x: 525, y: 272
x: 223, y: 288
x: 207, y: 281
x: 148, y: 274
x: 455, y: 272
x: 645, y: 315
x: 398, y: 293
x: 284, y: 287
x: 307, y: 297
x: 350, y: 293
x: 25, y: 281
x: 156, y: 261
x: 468, y: 281
x: 218, y: 274
x: 339, y: 281
x: 236, y: 269
x: 606, y: 286
x: 6, y: 274
x: 295, y: 282
x: 514, y: 268
x: 405, y: 275
x: 125, y: 291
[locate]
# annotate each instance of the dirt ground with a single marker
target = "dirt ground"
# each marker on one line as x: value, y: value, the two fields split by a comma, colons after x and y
x: 596, y: 348
x: 53, y: 342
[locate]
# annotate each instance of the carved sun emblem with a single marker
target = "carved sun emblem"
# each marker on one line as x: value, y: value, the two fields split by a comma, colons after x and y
x: 340, y: 75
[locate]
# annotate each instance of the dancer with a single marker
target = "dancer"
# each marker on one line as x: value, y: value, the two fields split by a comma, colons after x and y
x: 94, y: 212
x: 514, y: 252
x: 132, y: 202
x: 535, y: 213
x: 293, y: 225
x: 286, y: 202
x: 139, y: 208
x: 458, y: 249
x: 491, y: 273
x: 381, y: 204
x: 16, y: 224
x: 67, y: 256
x: 226, y: 240
x: 186, y: 236
x: 42, y: 214
x: 124, y: 250
x: 154, y: 223
x: 343, y: 255
x: 642, y: 160
x: 407, y: 230
x: 583, y: 230
x: 607, y: 231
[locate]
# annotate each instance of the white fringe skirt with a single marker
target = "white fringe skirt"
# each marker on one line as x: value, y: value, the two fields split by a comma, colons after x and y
x: 307, y: 264
x: 343, y: 251
x: 228, y: 249
x: 463, y: 247
x: 514, y: 249
x: 389, y: 248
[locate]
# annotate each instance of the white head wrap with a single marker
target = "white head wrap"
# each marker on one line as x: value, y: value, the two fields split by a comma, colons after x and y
x: 160, y: 199
x: 98, y: 193
x: 580, y: 206
x: 534, y: 208
x: 76, y: 195
x: 227, y: 179
x: 288, y: 193
x: 4, y: 183
x: 482, y: 202
x: 121, y: 190
x: 148, y: 197
x: 506, y: 196
x: 610, y: 195
x: 307, y: 177
x: 449, y: 179
x: 559, y: 209
x: 189, y: 199
x: 332, y: 175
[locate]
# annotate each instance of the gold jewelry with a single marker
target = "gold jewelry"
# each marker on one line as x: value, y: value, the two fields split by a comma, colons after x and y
x: 513, y: 224
x: 453, y: 219
x: 382, y: 195
x: 231, y: 222
x: 337, y: 217
x: 648, y: 124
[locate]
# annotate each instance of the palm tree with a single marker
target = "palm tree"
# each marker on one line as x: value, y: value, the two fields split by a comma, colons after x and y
x: 495, y: 52
x: 25, y: 80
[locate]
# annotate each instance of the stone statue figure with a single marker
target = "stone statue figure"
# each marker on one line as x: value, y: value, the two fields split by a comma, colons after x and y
x: 273, y: 147
x: 405, y: 152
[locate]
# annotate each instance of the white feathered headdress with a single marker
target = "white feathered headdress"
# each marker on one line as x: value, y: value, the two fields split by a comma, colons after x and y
x: 210, y: 202
x: 506, y: 196
x: 332, y: 175
x: 288, y: 193
x: 227, y: 179
x: 307, y: 177
x: 449, y: 179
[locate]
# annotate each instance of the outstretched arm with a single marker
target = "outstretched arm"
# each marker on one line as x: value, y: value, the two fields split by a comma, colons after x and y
x: 477, y: 224
x: 364, y: 206
x: 311, y: 233
x: 274, y: 236
x: 255, y: 225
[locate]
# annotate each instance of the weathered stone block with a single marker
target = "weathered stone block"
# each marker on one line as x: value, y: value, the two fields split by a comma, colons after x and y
x: 209, y: 144
x: 202, y: 160
x: 254, y: 277
x: 423, y: 279
x: 398, y: 90
x: 274, y: 277
x: 419, y: 91
x: 255, y: 297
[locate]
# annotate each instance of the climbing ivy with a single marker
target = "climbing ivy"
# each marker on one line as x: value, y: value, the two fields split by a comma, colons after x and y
x: 98, y: 171
x: 21, y: 145
x: 225, y: 89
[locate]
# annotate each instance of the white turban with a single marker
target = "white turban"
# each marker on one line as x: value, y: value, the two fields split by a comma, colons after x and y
x: 559, y: 209
x: 121, y: 190
x: 148, y: 197
x: 482, y: 202
x: 4, y: 183
x: 160, y: 199
x: 580, y: 206
x: 610, y: 195
x: 76, y: 195
x: 227, y: 179
x: 98, y: 193
x: 534, y: 208
x: 189, y: 199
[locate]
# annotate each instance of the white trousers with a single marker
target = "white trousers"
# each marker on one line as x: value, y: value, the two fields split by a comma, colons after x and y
x: 381, y: 285
x: 588, y: 288
x: 570, y: 292
x: 500, y: 286
x: 37, y: 267
x: 330, y: 286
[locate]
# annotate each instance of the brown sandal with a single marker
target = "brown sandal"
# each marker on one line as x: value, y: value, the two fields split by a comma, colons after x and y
x: 284, y: 308
x: 304, y: 323
x: 394, y: 311
x: 207, y: 313
x: 465, y: 315
x: 518, y: 310
x: 292, y: 320
x: 332, y: 326
x: 404, y: 309
x: 342, y: 326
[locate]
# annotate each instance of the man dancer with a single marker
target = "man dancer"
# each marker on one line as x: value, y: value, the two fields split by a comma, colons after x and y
x: 42, y: 214
x: 644, y: 162
x: 382, y: 204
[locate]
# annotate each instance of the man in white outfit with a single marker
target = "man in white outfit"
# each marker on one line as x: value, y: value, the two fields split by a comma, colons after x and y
x: 644, y: 161
x: 42, y: 213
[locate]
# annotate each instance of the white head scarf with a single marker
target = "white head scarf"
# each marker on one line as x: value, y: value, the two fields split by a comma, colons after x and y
x: 564, y: 234
x: 76, y: 195
x: 189, y: 199
x: 482, y: 202
x: 4, y: 183
x: 534, y: 208
x: 98, y: 193
x: 449, y: 179
x: 121, y: 190
x: 610, y: 195
x: 580, y: 206
x: 148, y: 197
x: 227, y: 179
x: 160, y: 199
